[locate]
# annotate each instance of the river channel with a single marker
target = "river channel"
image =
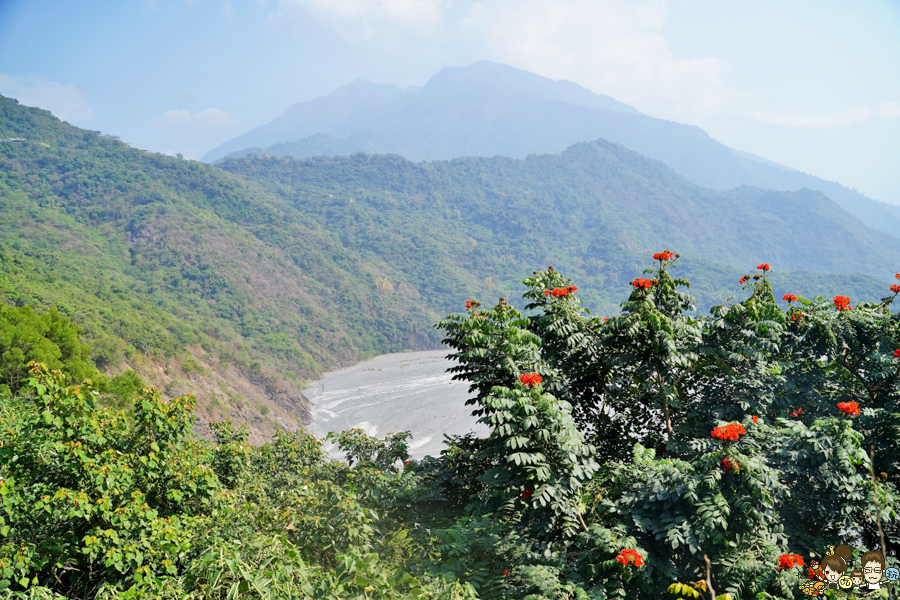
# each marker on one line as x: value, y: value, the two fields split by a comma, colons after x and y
x: 406, y: 391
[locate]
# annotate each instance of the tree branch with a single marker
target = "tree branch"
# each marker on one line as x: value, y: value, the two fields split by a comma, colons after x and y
x: 709, y: 585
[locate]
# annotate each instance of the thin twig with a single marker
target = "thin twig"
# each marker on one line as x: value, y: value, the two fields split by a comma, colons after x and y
x: 877, y: 500
x: 578, y: 512
x: 709, y: 585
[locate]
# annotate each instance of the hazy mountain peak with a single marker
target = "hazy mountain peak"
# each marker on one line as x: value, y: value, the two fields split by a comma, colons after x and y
x: 524, y: 84
x: 489, y: 109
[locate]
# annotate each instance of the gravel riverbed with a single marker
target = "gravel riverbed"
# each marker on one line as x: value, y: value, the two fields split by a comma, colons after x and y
x: 406, y: 391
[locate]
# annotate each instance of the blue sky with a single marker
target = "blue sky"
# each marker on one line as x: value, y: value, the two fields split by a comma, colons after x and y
x: 812, y: 84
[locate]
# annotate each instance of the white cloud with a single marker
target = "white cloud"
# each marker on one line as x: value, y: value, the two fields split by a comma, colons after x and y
x: 614, y: 47
x: 208, y: 118
x: 65, y: 101
x: 886, y: 110
x: 419, y: 14
x: 188, y: 152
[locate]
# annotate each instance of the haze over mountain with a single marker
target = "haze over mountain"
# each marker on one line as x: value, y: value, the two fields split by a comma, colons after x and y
x: 489, y: 109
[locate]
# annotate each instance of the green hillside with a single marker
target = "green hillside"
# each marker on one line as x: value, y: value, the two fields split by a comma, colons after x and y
x: 174, y: 260
x: 595, y: 211
x: 266, y: 272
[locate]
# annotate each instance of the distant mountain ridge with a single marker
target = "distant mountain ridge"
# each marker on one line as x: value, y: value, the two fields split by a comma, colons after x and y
x: 488, y: 109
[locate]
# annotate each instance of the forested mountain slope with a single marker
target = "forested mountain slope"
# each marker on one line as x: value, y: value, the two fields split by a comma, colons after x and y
x: 186, y: 272
x: 240, y: 283
x: 488, y: 109
x: 597, y: 209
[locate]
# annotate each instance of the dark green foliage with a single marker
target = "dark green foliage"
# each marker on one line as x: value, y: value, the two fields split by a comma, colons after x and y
x: 654, y: 375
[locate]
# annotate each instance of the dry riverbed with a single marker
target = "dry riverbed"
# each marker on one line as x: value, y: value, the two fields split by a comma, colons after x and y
x: 407, y: 391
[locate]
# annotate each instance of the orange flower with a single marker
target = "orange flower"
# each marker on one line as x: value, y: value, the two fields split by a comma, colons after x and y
x: 763, y: 267
x: 546, y: 292
x: 842, y: 303
x: 562, y: 291
x: 632, y: 556
x: 851, y: 408
x: 640, y: 282
x: 729, y: 432
x: 790, y: 298
x: 468, y: 304
x: 755, y: 418
x: 663, y: 256
x: 728, y: 465
x: 787, y: 561
x: 530, y: 379
x: 895, y: 288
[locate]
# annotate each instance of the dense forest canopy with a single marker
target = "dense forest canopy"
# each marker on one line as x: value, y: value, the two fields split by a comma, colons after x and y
x: 656, y: 453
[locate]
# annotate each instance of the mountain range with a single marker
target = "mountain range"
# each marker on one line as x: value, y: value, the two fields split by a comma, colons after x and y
x: 241, y: 281
x: 489, y: 109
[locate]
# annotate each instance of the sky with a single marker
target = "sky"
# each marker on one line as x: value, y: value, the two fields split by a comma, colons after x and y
x: 811, y: 84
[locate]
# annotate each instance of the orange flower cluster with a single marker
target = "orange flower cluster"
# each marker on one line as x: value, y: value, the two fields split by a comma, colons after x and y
x: 632, y: 556
x: 728, y: 464
x: 561, y: 291
x: 895, y: 288
x: 797, y: 412
x: 468, y: 304
x: 729, y: 432
x: 755, y: 418
x: 897, y: 352
x: 640, y: 282
x: 790, y: 298
x: 663, y: 256
x: 530, y: 378
x: 743, y: 280
x: 851, y: 408
x: 763, y: 267
x: 796, y: 316
x: 526, y: 494
x: 787, y: 561
x: 842, y: 303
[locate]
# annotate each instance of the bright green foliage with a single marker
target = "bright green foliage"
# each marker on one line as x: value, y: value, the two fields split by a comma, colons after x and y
x: 88, y: 497
x: 369, y: 451
x: 50, y: 338
x: 96, y: 505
